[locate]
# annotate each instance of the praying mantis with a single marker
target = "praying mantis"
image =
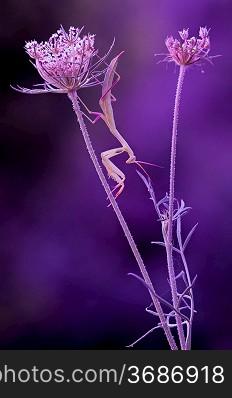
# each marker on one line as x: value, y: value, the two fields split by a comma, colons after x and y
x: 107, y: 115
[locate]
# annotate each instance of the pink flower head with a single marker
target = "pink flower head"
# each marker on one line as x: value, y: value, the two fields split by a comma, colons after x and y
x: 188, y: 50
x: 65, y: 61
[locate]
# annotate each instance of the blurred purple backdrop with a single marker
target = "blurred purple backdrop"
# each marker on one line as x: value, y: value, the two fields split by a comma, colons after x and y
x: 63, y: 257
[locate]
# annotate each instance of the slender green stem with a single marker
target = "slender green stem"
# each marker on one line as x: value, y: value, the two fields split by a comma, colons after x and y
x: 73, y: 97
x: 169, y: 243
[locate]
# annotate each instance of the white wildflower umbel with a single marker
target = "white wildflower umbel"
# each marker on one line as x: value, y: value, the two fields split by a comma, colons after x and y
x: 65, y: 61
x: 191, y: 50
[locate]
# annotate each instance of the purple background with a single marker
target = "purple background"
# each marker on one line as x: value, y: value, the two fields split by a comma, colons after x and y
x: 63, y: 257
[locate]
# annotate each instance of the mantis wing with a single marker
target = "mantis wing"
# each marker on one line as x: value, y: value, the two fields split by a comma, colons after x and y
x: 106, y: 98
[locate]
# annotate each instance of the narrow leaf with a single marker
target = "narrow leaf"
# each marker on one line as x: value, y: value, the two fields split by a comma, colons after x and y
x: 189, y: 236
x: 163, y: 244
x: 161, y: 299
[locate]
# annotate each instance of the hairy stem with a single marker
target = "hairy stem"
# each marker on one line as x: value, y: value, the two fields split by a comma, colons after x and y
x: 189, y: 337
x: 169, y: 243
x: 73, y: 97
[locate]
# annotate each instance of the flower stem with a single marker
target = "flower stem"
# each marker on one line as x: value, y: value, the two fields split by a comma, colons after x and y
x: 169, y: 245
x: 76, y: 107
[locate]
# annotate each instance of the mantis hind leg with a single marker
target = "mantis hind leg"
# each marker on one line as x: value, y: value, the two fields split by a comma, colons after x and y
x: 113, y: 171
